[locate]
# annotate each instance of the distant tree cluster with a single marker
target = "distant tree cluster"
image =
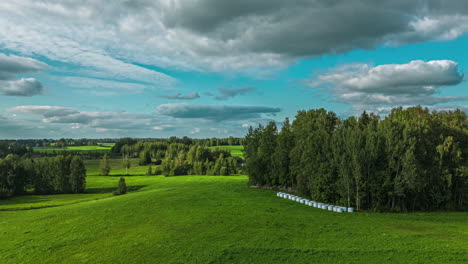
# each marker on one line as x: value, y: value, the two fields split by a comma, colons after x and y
x: 411, y: 160
x: 206, y: 142
x: 181, y: 159
x: 13, y: 147
x: 62, y: 174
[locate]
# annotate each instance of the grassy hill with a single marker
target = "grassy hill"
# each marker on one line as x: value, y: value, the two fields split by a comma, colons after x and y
x: 216, y: 219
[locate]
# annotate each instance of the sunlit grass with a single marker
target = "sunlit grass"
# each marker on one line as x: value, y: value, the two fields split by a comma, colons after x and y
x: 219, y: 219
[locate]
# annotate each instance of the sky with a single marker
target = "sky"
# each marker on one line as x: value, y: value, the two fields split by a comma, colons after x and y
x: 212, y: 68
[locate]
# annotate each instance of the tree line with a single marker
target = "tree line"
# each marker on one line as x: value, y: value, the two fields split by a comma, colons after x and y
x: 181, y: 159
x: 206, y: 142
x: 61, y: 174
x: 410, y: 160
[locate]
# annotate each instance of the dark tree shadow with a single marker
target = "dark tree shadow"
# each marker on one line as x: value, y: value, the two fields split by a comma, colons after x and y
x: 111, y: 189
x: 27, y: 198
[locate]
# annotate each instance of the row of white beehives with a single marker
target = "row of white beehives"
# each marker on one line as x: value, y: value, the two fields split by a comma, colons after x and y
x: 334, y: 208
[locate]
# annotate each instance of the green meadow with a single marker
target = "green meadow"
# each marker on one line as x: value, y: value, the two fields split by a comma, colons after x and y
x: 117, y: 168
x: 104, y: 148
x: 212, y: 219
x: 216, y: 219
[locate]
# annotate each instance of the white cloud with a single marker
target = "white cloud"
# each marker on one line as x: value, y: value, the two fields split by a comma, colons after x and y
x: 105, y: 120
x: 195, y: 130
x: 163, y: 128
x: 40, y: 29
x: 46, y: 111
x: 392, y: 84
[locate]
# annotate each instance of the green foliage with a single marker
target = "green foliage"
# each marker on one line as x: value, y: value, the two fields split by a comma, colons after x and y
x: 77, y: 175
x: 122, y: 187
x: 117, y: 148
x: 126, y: 163
x: 62, y: 174
x: 145, y: 158
x: 181, y: 159
x: 105, y: 166
x: 411, y: 160
x: 150, y: 171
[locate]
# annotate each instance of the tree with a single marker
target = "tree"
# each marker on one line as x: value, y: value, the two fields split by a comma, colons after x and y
x: 77, y: 175
x: 144, y: 158
x: 150, y: 171
x: 126, y: 164
x: 122, y: 187
x: 281, y: 160
x: 122, y: 142
x: 104, y: 166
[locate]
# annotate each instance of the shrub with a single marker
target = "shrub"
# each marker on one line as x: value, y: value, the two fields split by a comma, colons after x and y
x: 122, y: 188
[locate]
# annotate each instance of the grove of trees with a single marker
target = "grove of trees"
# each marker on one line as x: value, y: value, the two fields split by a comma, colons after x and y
x: 181, y: 159
x: 61, y: 174
x: 411, y: 160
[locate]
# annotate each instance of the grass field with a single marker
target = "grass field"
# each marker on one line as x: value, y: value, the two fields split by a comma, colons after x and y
x: 216, y: 219
x: 100, y: 148
x: 117, y: 168
x: 236, y: 151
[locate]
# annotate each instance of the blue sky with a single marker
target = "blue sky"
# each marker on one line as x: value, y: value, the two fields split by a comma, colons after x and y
x: 212, y: 68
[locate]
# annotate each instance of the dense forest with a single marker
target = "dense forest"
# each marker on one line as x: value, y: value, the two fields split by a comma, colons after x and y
x: 411, y: 160
x: 61, y: 174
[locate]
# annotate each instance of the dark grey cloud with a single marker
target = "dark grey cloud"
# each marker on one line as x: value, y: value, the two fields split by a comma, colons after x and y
x: 21, y: 87
x: 416, y: 82
x: 214, y: 112
x: 11, y: 66
x: 311, y: 28
x: 218, y: 35
x: 225, y: 93
x: 179, y: 96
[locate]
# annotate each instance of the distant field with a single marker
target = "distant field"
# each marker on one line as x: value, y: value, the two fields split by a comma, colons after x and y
x: 117, y: 168
x: 110, y: 145
x: 100, y: 148
x: 236, y: 151
x: 216, y: 219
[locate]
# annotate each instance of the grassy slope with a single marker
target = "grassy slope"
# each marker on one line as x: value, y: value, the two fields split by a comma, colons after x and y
x: 211, y: 219
x: 92, y: 167
x: 236, y: 151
